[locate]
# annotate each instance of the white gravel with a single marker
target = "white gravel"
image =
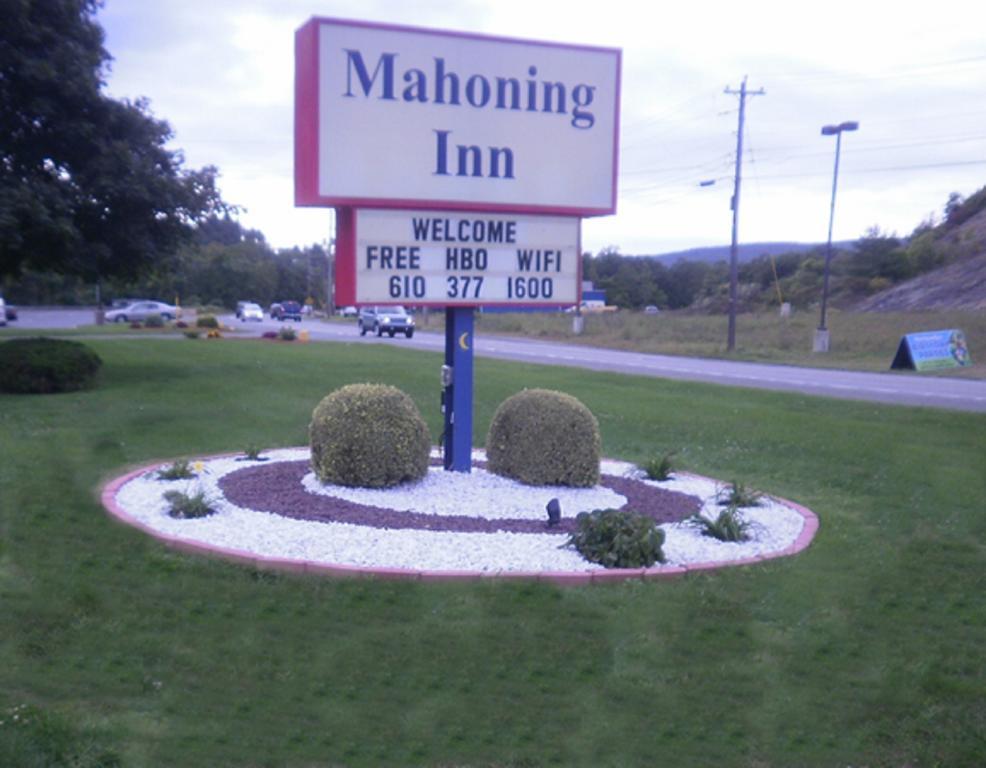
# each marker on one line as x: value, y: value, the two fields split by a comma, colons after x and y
x: 774, y: 526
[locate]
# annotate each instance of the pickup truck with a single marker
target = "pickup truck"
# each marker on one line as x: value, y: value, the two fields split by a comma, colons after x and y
x: 285, y: 310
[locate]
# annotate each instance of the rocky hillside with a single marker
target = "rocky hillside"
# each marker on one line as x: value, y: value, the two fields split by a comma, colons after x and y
x: 961, y: 283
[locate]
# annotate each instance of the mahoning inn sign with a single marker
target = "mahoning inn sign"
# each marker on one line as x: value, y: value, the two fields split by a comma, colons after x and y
x: 459, y: 165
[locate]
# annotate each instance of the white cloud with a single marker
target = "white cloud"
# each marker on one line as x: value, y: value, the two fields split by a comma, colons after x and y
x: 221, y: 73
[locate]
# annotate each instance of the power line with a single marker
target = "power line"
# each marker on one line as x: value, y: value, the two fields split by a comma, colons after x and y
x: 885, y: 169
x: 824, y: 77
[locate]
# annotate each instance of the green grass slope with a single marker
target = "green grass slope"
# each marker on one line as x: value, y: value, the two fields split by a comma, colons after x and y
x: 116, y: 651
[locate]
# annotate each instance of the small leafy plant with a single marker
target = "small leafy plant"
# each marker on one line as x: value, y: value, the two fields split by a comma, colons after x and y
x: 206, y: 321
x: 287, y: 334
x: 617, y: 539
x: 179, y: 470
x: 185, y: 507
x: 738, y: 495
x: 252, y: 452
x: 660, y: 469
x: 154, y: 321
x: 727, y: 526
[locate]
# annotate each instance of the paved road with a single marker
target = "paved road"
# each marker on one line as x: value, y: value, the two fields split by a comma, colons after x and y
x: 900, y: 389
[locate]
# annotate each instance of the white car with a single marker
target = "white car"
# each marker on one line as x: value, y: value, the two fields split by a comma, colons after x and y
x: 250, y: 311
x: 3, y: 312
x: 141, y: 310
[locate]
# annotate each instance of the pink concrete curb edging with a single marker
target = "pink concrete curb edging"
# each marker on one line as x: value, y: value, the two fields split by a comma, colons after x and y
x: 109, y: 492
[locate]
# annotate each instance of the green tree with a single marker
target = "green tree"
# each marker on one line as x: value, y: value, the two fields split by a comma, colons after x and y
x: 87, y: 186
x: 684, y: 282
x: 879, y: 255
x: 952, y: 205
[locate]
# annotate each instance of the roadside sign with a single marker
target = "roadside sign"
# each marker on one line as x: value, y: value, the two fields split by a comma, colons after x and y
x: 391, y: 116
x: 428, y: 258
x: 459, y: 166
x: 932, y: 350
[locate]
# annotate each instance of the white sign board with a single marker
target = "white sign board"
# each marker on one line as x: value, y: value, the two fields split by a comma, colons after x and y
x: 451, y: 259
x: 391, y: 117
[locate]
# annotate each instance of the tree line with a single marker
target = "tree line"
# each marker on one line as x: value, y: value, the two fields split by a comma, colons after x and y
x: 94, y: 206
x: 874, y: 262
x: 223, y: 263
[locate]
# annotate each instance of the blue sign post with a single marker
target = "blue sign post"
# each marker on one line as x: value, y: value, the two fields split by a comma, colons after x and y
x: 457, y: 395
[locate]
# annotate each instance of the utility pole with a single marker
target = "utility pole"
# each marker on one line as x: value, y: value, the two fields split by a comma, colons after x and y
x: 734, y: 248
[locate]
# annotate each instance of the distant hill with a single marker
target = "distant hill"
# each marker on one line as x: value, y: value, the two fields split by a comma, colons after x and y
x: 744, y: 252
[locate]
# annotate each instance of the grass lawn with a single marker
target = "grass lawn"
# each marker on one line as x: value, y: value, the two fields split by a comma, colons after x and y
x: 862, y: 341
x: 865, y: 650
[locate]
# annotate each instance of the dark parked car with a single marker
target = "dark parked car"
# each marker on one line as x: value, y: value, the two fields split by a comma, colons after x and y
x: 389, y: 320
x: 285, y: 310
x: 9, y: 311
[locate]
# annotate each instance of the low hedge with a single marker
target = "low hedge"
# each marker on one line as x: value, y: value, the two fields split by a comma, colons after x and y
x: 44, y: 366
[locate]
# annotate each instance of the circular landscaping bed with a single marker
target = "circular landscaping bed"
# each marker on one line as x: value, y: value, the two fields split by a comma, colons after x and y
x: 274, y: 513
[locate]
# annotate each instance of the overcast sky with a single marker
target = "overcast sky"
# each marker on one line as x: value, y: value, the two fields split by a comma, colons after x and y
x: 913, y: 74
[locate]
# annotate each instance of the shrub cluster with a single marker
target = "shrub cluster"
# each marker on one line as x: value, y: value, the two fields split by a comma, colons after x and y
x: 206, y: 321
x: 617, y: 538
x: 368, y: 436
x: 43, y: 366
x: 154, y: 321
x: 543, y: 437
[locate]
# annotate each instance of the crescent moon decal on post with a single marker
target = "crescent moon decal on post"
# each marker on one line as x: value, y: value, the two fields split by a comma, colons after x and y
x: 462, y: 341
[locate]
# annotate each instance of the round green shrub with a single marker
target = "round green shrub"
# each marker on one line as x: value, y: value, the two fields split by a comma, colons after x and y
x: 543, y: 437
x: 617, y: 538
x: 368, y: 436
x: 206, y: 321
x: 154, y: 321
x: 43, y: 366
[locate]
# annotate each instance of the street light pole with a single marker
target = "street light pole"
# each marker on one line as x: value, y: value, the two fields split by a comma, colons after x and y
x: 822, y: 334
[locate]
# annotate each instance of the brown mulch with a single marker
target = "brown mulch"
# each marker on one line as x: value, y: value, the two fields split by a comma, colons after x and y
x: 277, y: 488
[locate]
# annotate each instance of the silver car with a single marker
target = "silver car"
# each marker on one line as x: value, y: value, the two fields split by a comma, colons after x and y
x: 389, y: 320
x: 141, y: 310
